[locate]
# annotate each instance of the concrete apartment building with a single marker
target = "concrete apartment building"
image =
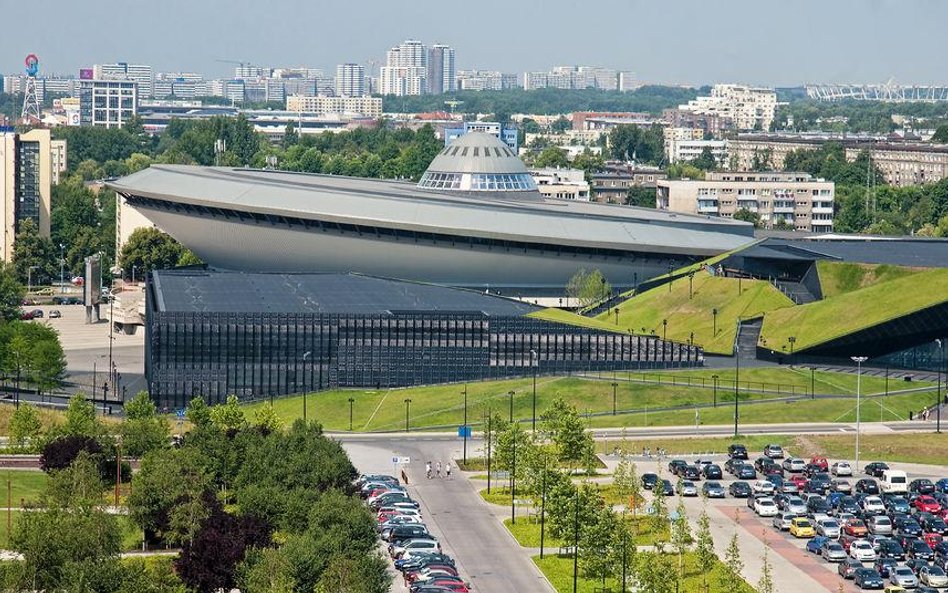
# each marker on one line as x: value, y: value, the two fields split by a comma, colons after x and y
x: 350, y: 80
x: 804, y: 203
x: 442, y: 73
x: 745, y: 107
x: 687, y: 144
x: 141, y: 74
x: 612, y: 185
x: 406, y: 70
x: 108, y: 103
x: 564, y: 184
x: 26, y: 172
x: 902, y: 163
x: 363, y: 106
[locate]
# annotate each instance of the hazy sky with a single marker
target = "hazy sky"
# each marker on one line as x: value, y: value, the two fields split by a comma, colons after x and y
x: 776, y: 42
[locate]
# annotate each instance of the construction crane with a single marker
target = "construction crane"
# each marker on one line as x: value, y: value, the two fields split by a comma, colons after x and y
x: 240, y: 63
x: 452, y: 104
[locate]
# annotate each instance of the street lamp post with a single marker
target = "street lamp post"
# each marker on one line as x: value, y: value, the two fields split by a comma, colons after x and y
x: 513, y: 480
x: 670, y: 279
x: 664, y: 329
x: 29, y: 278
x: 535, y: 360
x: 737, y: 379
x: 938, y: 382
x: 489, y: 435
x: 511, y: 394
x: 306, y: 355
x: 575, y: 539
x: 691, y: 277
x: 858, y: 360
x: 791, y: 339
x: 62, y: 267
x: 543, y: 511
x: 134, y: 269
x: 464, y: 429
x: 351, y: 401
x: 714, y: 321
x: 714, y: 390
x: 407, y: 408
x: 614, y: 386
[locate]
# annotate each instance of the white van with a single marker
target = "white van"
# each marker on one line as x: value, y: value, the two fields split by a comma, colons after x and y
x: 894, y: 481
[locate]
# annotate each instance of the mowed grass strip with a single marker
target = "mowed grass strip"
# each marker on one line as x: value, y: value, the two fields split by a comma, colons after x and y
x: 25, y: 486
x: 644, y: 313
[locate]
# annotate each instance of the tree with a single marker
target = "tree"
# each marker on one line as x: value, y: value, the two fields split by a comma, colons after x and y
x: 681, y: 534
x: 354, y: 573
x: 941, y: 134
x: 705, y: 161
x: 80, y: 418
x: 643, y: 197
x: 58, y: 454
x: 228, y: 415
x: 552, y: 156
x: 514, y: 440
x: 25, y: 427
x: 143, y: 429
x: 150, y: 249
x: 763, y: 160
x: 588, y: 288
x: 733, y: 565
x: 34, y: 257
x: 198, y: 413
x: 766, y: 582
x: 623, y: 548
x: 267, y: 419
x: 12, y: 293
x: 627, y: 483
x: 748, y: 216
x: 596, y: 545
x: 267, y: 570
x: 653, y: 571
x: 704, y: 547
x: 562, y: 424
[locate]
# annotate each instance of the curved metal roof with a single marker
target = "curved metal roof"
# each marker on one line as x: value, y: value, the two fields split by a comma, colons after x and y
x: 477, y: 152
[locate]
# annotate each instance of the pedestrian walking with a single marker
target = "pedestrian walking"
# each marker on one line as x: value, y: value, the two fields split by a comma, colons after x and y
x: 428, y: 469
x: 447, y: 470
x: 439, y: 468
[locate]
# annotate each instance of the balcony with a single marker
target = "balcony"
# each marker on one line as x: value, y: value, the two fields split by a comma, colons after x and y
x: 783, y: 209
x: 707, y: 209
x: 822, y: 223
x: 823, y: 210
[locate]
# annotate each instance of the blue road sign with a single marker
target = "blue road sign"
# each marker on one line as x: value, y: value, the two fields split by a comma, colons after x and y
x: 180, y: 413
x: 464, y: 431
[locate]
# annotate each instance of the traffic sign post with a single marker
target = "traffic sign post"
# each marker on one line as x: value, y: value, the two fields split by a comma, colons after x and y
x: 464, y: 432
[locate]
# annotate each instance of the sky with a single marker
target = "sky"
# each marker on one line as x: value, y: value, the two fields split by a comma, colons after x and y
x: 769, y: 42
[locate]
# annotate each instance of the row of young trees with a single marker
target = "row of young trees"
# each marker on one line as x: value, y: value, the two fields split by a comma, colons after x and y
x: 250, y: 504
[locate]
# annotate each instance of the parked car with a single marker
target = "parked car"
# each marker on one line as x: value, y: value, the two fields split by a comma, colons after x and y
x: 847, y: 567
x: 862, y: 550
x: 872, y: 505
x: 880, y: 525
x: 763, y: 487
x: 687, y: 488
x: 773, y: 451
x: 875, y: 469
x: 675, y: 466
x: 867, y: 486
x: 820, y: 462
x: 839, y: 485
x: 737, y: 451
x: 921, y: 486
x: 712, y: 471
x: 765, y: 507
x: 884, y: 565
x: 933, y: 576
x: 919, y: 550
x: 895, y: 504
x: 832, y: 551
x: 906, y: 526
x: 926, y: 504
x: 746, y: 472
x: 649, y: 480
x: 841, y: 468
x: 794, y: 465
x: 739, y: 489
x: 801, y: 527
x: 889, y: 548
x: 690, y: 472
x: 55, y: 314
x: 855, y: 528
x: 712, y: 490
x: 783, y: 520
x: 666, y: 487
x: 828, y: 527
x: 867, y: 578
x: 903, y: 577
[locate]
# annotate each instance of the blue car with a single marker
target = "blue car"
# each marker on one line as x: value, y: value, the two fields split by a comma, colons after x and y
x: 942, y: 485
x: 814, y: 544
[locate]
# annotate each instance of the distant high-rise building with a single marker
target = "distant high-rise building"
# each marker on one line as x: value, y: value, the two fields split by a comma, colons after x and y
x: 107, y: 103
x: 744, y: 107
x: 442, y: 76
x: 350, y: 80
x: 249, y: 71
x: 139, y: 73
x: 26, y: 171
x: 406, y: 70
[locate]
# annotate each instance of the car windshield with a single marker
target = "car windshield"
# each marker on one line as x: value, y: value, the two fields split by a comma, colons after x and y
x: 829, y: 523
x: 834, y: 546
x: 903, y: 571
x: 803, y: 523
x: 936, y: 571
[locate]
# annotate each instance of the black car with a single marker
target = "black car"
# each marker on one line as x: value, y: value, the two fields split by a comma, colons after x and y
x: 889, y: 548
x: 746, y: 472
x: 649, y: 480
x: 667, y: 488
x: 712, y: 490
x: 919, y: 550
x: 921, y: 486
x: 935, y: 524
x: 846, y: 504
x: 867, y: 578
x: 712, y: 472
x: 731, y: 465
x: 762, y: 462
x: 817, y: 506
x: 675, y: 465
x: 408, y: 531
x: 739, y: 489
x: 737, y: 451
x: 690, y: 472
x: 867, y: 486
x: 883, y: 565
x: 906, y: 527
x: 875, y: 469
x: 847, y: 567
x: 941, y: 551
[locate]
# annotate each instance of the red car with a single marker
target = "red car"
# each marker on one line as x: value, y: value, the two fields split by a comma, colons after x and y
x: 855, y: 528
x: 932, y: 539
x: 820, y: 462
x: 926, y: 504
x: 799, y: 480
x: 449, y: 585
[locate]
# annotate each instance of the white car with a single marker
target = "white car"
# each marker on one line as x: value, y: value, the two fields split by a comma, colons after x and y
x: 765, y: 507
x: 873, y: 504
x: 828, y: 528
x: 414, y: 547
x: 796, y: 506
x: 862, y: 550
x: 794, y: 465
x: 841, y: 468
x: 763, y: 487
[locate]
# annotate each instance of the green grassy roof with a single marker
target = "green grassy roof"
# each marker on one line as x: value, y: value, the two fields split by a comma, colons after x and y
x: 837, y: 278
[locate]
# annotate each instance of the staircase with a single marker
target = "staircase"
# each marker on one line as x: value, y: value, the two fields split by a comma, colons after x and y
x: 795, y: 291
x: 748, y: 333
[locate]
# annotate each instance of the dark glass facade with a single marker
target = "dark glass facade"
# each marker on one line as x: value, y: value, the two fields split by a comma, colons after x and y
x: 256, y: 355
x: 27, y: 184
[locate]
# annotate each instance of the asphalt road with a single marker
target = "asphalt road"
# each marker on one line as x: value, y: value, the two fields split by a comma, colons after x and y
x: 486, y: 554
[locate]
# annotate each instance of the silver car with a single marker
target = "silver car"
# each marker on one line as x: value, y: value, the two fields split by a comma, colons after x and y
x: 903, y: 577
x: 782, y: 520
x: 795, y: 505
x: 879, y: 525
x: 687, y: 489
x: 933, y: 576
x: 828, y: 528
x: 832, y: 551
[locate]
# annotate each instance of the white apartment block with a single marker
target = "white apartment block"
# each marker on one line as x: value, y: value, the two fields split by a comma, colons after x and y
x: 406, y: 70
x: 747, y: 108
x: 362, y: 106
x: 479, y: 80
x: 796, y: 199
x: 564, y: 184
x: 687, y: 150
x: 141, y: 74
x: 57, y: 160
x: 580, y: 77
x: 350, y: 80
x: 107, y: 103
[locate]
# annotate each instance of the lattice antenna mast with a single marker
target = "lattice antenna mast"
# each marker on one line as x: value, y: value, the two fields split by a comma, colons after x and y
x: 31, y: 107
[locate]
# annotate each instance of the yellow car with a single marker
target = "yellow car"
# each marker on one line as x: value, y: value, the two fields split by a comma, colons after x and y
x: 893, y: 589
x: 801, y: 527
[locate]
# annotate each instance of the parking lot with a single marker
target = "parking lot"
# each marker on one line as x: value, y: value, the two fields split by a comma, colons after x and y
x: 793, y: 566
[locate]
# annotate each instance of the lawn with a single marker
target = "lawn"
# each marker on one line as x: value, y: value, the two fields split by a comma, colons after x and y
x: 527, y: 533
x: 693, y: 446
x: 692, y: 313
x: 25, y: 486
x: 559, y: 571
x: 561, y: 316
x: 822, y: 321
x: 838, y: 278
x: 4, y: 532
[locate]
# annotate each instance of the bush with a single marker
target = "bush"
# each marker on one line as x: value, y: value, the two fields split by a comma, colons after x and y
x: 60, y: 453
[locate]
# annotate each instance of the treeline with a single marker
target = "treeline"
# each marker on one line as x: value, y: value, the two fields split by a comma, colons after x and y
x: 248, y: 503
x: 856, y: 116
x: 651, y: 99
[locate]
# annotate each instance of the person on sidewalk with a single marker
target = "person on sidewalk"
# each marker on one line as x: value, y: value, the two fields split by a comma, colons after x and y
x: 428, y: 469
x: 439, y: 468
x: 447, y: 470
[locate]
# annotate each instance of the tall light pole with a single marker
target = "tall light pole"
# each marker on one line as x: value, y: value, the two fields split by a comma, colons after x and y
x: 535, y: 359
x: 511, y: 394
x: 464, y: 429
x: 575, y: 539
x: 938, y: 382
x: 407, y: 408
x: 714, y: 321
x: 737, y: 379
x: 490, y: 414
x: 691, y: 277
x: 29, y: 278
x: 62, y: 268
x: 614, y: 387
x: 664, y: 329
x: 306, y: 355
x: 714, y: 390
x: 513, y: 480
x: 792, y: 340
x: 858, y: 360
x: 351, y: 401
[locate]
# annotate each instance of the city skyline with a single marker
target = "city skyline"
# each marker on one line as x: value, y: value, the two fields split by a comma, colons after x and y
x: 699, y: 46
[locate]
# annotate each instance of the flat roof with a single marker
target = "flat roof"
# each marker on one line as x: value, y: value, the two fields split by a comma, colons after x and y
x: 511, y: 216
x: 215, y: 291
x: 909, y: 252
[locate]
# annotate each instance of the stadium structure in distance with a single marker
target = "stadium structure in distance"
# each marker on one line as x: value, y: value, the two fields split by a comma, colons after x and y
x: 474, y: 220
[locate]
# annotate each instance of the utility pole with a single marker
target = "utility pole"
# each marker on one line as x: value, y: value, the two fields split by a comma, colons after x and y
x: 543, y: 511
x: 575, y: 540
x: 513, y: 481
x: 714, y: 391
x: 489, y: 414
x: 536, y: 363
x: 614, y: 386
x: 737, y: 379
x: 511, y: 394
x: 407, y: 408
x: 351, y: 401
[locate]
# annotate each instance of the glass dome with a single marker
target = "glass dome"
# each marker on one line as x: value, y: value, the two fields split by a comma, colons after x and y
x: 478, y: 162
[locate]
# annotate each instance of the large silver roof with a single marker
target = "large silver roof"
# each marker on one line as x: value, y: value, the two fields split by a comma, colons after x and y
x: 477, y: 152
x: 523, y: 217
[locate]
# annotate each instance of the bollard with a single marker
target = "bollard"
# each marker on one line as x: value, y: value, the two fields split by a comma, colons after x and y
x: 404, y: 477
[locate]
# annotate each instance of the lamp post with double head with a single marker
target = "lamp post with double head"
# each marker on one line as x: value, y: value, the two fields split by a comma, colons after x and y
x: 535, y: 363
x: 858, y: 360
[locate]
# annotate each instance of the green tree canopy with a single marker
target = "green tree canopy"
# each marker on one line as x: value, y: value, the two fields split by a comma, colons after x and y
x: 149, y: 249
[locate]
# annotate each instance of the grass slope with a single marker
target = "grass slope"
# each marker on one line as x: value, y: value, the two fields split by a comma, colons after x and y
x: 837, y: 278
x: 644, y: 313
x: 566, y: 317
x: 819, y: 322
x: 25, y: 486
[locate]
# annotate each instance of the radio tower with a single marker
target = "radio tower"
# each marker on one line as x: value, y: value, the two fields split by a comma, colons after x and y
x: 31, y: 108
